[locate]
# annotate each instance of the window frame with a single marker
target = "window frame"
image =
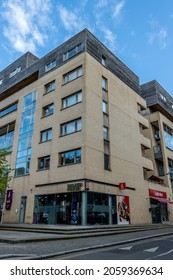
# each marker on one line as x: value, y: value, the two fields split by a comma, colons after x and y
x: 77, y: 49
x: 63, y: 158
x: 44, y: 109
x: 49, y: 66
x: 9, y: 110
x: 46, y: 131
x: 64, y: 127
x: 104, y: 61
x: 76, y: 95
x: 104, y: 80
x: 44, y: 163
x: 15, y: 71
x: 48, y: 87
x: 78, y: 69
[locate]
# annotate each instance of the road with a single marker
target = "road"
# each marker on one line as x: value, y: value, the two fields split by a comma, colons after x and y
x: 160, y: 248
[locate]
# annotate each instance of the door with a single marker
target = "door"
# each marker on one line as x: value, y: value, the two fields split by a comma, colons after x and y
x: 22, y: 209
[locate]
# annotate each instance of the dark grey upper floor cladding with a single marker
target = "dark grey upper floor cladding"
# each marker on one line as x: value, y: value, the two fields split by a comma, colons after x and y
x: 32, y: 68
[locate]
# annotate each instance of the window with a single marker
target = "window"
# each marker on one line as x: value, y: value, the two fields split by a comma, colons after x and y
x: 24, y: 151
x: 72, y: 75
x: 47, y: 110
x: 44, y: 163
x: 105, y: 107
x: 104, y: 83
x: 50, y: 87
x: 15, y: 71
x: 106, y: 162
x: 46, y: 135
x: 72, y: 52
x: 71, y: 127
x: 105, y: 133
x: 168, y: 135
x: 104, y: 60
x: 162, y: 97
x: 70, y: 157
x: 50, y: 66
x: 8, y: 109
x: 72, y: 99
x: 0, y: 81
x: 7, y: 135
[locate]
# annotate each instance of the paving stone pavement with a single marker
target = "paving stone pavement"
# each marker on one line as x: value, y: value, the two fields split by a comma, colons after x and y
x: 55, y: 247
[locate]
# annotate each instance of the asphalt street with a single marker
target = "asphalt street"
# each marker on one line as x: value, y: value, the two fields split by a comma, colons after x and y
x: 160, y: 248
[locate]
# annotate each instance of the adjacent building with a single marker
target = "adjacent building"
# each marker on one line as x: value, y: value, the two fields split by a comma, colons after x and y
x: 81, y: 139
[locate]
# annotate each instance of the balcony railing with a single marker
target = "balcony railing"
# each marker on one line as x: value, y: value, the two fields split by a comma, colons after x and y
x: 157, y: 152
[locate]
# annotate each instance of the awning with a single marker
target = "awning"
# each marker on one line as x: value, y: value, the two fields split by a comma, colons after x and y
x: 163, y: 200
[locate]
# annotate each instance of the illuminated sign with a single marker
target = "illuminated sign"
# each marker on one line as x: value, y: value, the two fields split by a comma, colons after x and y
x: 9, y: 199
x: 156, y: 193
x: 122, y: 186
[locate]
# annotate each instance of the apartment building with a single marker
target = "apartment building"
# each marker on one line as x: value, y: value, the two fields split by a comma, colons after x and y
x: 160, y: 116
x: 80, y: 143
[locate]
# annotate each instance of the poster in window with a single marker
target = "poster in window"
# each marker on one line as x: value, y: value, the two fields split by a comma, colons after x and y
x: 123, y: 210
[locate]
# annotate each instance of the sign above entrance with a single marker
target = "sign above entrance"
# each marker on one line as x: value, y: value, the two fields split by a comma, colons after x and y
x: 74, y: 187
x: 158, y: 194
x: 122, y: 186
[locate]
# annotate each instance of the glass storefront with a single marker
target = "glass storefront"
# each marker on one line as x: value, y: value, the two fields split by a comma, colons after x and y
x: 159, y: 212
x: 66, y: 208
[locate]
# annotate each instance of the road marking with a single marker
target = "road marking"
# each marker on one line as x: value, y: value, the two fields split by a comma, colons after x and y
x: 160, y: 255
x: 152, y: 250
x: 126, y: 248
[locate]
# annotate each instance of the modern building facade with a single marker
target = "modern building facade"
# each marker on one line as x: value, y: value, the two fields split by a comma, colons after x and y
x: 80, y: 141
x: 160, y: 116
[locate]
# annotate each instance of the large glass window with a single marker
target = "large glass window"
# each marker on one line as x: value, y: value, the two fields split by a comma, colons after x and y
x: 26, y: 134
x: 71, y: 127
x: 7, y: 136
x: 97, y: 208
x: 8, y: 109
x: 168, y: 134
x: 72, y: 99
x: 70, y: 157
x: 72, y: 75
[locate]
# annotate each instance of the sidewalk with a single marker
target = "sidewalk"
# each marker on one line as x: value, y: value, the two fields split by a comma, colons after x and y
x: 43, y: 249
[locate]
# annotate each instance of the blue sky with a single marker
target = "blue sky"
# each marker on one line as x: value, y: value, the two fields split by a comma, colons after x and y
x: 138, y: 32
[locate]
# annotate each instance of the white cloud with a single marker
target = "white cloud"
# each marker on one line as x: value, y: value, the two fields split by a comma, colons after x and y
x: 110, y: 38
x: 26, y: 23
x: 118, y: 8
x: 71, y: 20
x: 158, y: 34
x: 102, y: 4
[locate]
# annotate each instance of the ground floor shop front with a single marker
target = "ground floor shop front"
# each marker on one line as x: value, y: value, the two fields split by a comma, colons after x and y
x: 87, y: 203
x: 81, y: 208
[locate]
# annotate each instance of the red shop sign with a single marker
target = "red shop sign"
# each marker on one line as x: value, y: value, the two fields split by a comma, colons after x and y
x: 122, y: 186
x: 157, y: 193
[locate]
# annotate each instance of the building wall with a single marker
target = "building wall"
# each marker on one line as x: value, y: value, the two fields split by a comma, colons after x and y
x: 125, y: 136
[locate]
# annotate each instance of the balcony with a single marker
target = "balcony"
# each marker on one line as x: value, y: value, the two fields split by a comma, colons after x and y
x: 158, y: 153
